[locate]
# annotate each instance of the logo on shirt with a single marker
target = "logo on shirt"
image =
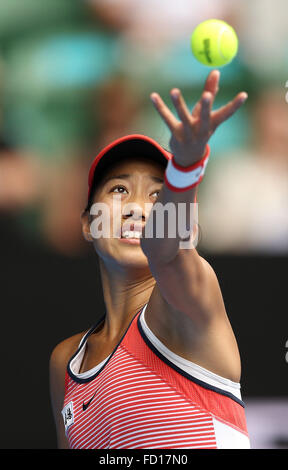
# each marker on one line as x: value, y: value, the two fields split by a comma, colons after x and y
x: 68, y: 415
x: 85, y: 405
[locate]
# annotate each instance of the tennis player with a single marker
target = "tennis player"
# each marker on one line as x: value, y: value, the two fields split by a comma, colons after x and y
x: 161, y: 367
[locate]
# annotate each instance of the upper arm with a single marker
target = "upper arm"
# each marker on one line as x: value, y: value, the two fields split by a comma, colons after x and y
x: 57, y: 371
x: 188, y: 284
x: 188, y: 315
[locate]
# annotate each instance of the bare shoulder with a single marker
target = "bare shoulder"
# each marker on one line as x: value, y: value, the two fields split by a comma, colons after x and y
x: 59, y: 358
x: 63, y: 351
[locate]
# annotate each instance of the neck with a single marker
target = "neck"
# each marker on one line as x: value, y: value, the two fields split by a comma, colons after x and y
x: 125, y: 292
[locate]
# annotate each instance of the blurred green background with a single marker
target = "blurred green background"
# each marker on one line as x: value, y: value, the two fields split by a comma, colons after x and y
x: 75, y: 75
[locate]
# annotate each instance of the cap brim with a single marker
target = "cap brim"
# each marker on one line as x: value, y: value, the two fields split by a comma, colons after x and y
x: 135, y: 145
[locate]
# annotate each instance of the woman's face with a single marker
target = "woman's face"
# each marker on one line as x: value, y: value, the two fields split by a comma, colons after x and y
x: 127, y: 193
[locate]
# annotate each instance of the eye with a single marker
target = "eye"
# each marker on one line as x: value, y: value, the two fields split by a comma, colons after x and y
x: 116, y: 187
x: 157, y: 191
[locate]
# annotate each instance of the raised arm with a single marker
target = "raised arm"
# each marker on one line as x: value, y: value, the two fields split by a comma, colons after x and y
x: 187, y: 295
x: 189, y: 138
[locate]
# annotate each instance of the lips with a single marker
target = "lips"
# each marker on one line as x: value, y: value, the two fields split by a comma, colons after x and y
x: 132, y: 227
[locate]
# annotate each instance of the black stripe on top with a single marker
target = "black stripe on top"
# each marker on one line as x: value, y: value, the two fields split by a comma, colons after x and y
x: 82, y: 344
x: 184, y: 373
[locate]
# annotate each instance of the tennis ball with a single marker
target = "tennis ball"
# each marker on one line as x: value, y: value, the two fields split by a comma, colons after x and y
x: 214, y: 43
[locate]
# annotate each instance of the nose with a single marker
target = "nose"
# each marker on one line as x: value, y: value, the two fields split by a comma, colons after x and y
x: 134, y: 211
x: 133, y: 218
x: 137, y: 208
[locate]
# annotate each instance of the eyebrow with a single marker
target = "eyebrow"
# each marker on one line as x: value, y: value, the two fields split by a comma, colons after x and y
x: 124, y: 176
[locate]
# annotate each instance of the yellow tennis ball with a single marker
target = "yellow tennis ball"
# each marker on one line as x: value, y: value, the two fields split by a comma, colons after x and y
x: 214, y: 43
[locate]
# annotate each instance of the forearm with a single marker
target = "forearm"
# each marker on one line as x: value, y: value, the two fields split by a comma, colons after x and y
x: 189, y: 136
x: 171, y: 221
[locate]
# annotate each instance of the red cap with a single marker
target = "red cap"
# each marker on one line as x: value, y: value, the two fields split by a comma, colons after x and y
x: 137, y: 143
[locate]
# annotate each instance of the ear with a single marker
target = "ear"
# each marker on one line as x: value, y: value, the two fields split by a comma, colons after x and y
x: 85, y: 221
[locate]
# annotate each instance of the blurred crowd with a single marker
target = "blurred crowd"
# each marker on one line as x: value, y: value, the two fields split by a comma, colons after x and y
x: 76, y: 75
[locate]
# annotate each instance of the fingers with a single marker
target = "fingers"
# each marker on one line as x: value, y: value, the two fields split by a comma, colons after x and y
x: 206, y: 104
x: 228, y: 110
x: 212, y: 83
x: 202, y: 111
x: 167, y: 116
x: 180, y: 106
x: 211, y: 86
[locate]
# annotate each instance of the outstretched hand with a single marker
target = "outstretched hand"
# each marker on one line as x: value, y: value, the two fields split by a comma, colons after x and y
x: 191, y: 134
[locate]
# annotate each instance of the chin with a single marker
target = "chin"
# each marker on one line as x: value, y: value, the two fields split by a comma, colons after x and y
x: 135, y: 260
x: 122, y: 255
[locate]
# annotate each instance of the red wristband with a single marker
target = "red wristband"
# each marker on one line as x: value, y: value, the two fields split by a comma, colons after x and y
x: 179, y: 178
